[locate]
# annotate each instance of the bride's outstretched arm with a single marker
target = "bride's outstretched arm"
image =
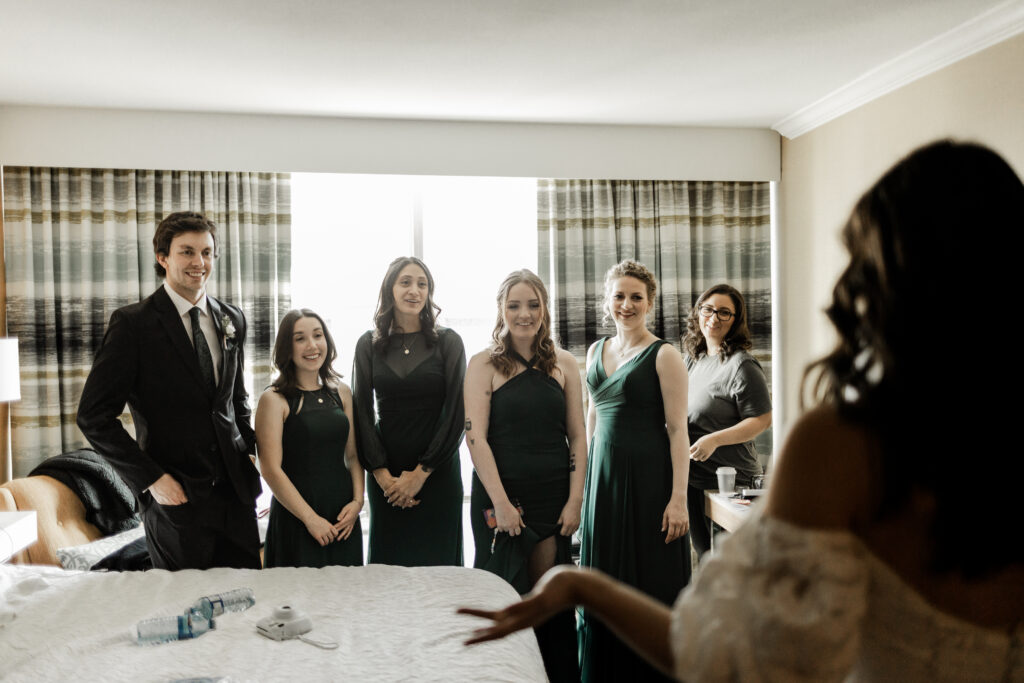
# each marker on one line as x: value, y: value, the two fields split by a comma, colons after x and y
x: 637, y: 619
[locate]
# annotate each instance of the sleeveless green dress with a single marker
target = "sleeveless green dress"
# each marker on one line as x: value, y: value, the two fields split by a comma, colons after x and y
x: 527, y: 435
x: 629, y: 483
x: 313, y: 457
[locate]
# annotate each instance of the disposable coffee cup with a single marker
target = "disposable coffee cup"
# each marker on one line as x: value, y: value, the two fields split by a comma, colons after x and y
x: 726, y: 479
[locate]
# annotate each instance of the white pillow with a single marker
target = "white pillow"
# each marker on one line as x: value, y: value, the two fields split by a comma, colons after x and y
x: 86, y: 555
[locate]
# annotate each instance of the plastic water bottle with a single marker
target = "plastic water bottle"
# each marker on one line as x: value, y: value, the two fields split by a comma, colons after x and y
x: 211, y: 606
x: 166, y: 629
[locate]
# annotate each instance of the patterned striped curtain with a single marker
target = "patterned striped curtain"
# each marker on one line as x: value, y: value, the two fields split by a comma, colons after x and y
x: 691, y: 234
x: 79, y: 244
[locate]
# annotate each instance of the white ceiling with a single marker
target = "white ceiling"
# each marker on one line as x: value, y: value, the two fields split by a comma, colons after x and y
x: 674, y: 62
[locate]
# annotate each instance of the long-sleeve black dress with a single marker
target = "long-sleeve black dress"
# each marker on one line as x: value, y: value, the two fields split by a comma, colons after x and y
x: 418, y: 420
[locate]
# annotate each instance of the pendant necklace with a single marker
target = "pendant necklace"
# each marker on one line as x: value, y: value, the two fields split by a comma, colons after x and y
x: 408, y: 348
x: 623, y: 350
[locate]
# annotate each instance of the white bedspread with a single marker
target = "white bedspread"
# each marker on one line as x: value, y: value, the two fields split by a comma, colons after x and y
x: 391, y: 624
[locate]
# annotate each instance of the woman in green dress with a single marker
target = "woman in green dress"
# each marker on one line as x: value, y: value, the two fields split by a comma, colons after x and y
x: 524, y: 424
x: 307, y: 452
x: 635, y: 519
x: 413, y: 370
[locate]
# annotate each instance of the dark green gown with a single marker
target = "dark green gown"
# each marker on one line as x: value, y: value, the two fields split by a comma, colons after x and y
x: 629, y: 483
x: 313, y: 457
x: 527, y: 435
x: 418, y: 419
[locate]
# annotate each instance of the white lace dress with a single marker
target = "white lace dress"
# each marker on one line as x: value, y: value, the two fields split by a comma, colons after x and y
x: 780, y: 602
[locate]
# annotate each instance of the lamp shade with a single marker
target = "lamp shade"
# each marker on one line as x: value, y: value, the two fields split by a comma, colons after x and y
x: 10, y: 383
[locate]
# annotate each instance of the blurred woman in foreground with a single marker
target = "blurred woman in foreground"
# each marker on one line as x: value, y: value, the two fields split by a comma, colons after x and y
x: 870, y: 560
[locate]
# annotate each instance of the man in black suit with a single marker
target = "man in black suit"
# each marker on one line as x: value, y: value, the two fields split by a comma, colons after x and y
x: 176, y: 359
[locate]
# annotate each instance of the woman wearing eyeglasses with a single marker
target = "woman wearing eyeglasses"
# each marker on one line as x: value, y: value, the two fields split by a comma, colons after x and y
x: 728, y: 400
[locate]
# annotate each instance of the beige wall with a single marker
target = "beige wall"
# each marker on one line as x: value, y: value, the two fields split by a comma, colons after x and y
x: 825, y: 171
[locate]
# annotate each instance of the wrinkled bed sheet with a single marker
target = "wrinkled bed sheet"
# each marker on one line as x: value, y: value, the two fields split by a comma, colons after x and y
x: 391, y: 624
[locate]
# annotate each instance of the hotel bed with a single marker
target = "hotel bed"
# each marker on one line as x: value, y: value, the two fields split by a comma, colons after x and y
x: 390, y: 623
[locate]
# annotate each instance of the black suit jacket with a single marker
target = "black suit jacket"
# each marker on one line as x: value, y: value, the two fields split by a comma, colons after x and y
x: 147, y: 360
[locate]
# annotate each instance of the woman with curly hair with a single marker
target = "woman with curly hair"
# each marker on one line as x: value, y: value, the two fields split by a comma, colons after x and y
x: 728, y: 403
x: 524, y: 427
x: 410, y: 444
x: 635, y: 516
x: 870, y: 560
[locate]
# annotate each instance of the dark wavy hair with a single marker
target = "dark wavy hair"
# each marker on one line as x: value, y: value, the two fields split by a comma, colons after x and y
x: 543, y: 345
x: 175, y: 224
x: 287, y: 383
x: 384, y: 317
x: 736, y: 339
x: 934, y: 234
x: 633, y: 269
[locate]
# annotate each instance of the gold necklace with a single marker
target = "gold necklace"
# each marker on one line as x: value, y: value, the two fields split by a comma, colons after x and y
x: 408, y: 348
x: 624, y: 349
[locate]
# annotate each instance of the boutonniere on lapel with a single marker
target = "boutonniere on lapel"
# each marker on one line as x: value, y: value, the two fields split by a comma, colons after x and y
x: 229, y: 331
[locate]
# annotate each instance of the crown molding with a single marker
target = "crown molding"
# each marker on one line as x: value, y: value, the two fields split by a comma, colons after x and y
x: 996, y: 25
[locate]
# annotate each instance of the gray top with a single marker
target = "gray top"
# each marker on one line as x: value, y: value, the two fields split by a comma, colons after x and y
x: 724, y: 392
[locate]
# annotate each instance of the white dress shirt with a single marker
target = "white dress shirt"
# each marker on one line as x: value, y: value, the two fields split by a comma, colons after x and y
x: 205, y: 324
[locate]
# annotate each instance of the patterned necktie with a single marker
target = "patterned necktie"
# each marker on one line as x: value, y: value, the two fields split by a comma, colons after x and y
x: 202, y: 351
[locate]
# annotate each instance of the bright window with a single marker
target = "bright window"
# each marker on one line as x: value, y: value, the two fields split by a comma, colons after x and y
x: 346, y: 229
x: 471, y: 232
